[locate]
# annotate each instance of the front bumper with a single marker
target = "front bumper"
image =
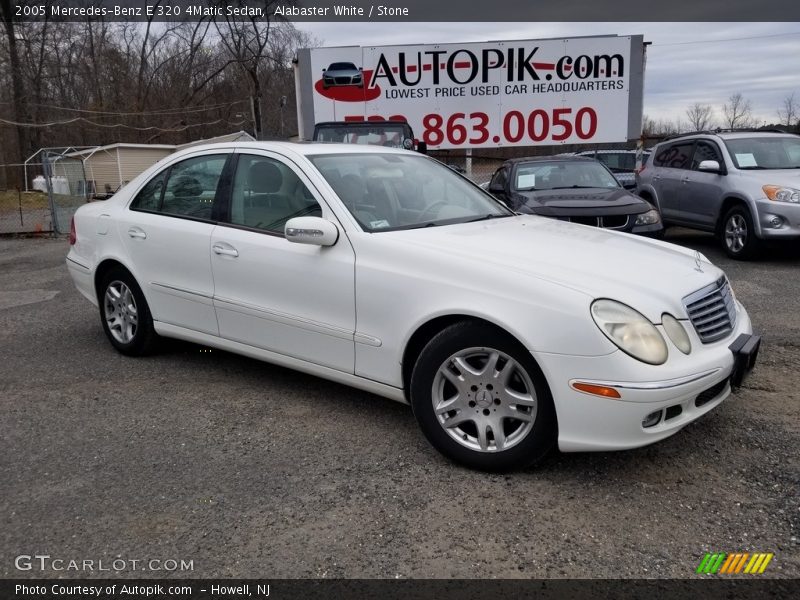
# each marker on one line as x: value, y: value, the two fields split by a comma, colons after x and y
x: 778, y: 220
x: 683, y: 389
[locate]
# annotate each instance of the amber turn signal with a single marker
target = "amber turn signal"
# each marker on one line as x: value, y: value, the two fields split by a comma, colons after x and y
x: 597, y: 390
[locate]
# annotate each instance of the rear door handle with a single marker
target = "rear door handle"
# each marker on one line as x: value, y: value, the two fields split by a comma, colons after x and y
x: 225, y: 250
x: 685, y: 180
x: 136, y: 232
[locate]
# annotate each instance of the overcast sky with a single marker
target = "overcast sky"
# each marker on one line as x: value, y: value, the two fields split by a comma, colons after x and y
x: 687, y: 62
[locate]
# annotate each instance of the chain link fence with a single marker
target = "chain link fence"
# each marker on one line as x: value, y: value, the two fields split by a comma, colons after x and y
x: 24, y: 211
x: 56, y: 187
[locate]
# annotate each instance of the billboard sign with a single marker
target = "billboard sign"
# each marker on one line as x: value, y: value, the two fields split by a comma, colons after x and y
x: 487, y: 94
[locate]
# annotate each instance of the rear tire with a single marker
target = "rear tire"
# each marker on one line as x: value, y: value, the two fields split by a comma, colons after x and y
x: 481, y: 399
x: 125, y: 314
x: 738, y: 235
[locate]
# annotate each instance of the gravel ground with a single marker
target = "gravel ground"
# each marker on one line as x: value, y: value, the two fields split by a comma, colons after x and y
x: 251, y: 470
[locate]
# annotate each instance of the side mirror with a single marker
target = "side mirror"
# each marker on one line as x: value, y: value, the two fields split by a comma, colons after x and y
x: 315, y: 231
x: 710, y: 166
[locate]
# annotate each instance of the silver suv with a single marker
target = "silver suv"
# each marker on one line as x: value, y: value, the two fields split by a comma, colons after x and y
x: 743, y: 186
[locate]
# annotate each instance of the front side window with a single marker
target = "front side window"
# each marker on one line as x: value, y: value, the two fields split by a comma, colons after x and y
x: 267, y: 193
x: 705, y: 151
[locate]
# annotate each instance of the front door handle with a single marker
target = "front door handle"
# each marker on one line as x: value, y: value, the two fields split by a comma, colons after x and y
x: 136, y: 232
x: 225, y: 250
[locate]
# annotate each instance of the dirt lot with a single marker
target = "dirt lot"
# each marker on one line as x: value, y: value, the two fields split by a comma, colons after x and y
x: 252, y: 470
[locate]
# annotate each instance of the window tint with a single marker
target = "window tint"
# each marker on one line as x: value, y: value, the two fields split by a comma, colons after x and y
x: 192, y: 186
x: 499, y: 179
x: 705, y: 151
x: 267, y: 193
x: 149, y: 197
x: 676, y: 156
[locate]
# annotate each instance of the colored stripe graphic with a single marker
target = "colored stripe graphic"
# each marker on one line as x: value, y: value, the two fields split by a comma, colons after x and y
x: 734, y: 563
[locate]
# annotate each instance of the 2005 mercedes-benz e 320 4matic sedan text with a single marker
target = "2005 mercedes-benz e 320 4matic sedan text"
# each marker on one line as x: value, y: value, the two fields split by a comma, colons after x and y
x: 385, y: 270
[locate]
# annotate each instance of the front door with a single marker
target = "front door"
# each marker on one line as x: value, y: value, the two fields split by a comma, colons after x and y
x: 294, y: 299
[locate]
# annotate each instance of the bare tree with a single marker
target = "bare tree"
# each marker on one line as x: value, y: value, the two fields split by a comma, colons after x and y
x: 738, y: 112
x: 701, y: 116
x: 21, y: 110
x: 789, y: 112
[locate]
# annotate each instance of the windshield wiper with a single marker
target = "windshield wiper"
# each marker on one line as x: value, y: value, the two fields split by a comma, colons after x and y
x: 530, y: 189
x: 486, y: 217
x: 753, y: 168
x: 575, y: 187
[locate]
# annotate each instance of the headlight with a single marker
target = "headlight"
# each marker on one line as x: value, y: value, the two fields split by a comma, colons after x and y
x: 630, y: 331
x: 676, y: 333
x: 651, y: 217
x: 778, y: 193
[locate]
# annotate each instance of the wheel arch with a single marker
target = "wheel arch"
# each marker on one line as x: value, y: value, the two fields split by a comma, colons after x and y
x: 728, y: 203
x: 106, y: 265
x: 433, y: 326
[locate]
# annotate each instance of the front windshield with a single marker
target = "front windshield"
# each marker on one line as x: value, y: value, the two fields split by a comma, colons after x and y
x: 386, y: 192
x: 562, y: 174
x: 765, y: 152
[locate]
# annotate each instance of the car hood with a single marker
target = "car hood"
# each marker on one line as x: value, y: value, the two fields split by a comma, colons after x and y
x: 649, y: 275
x: 787, y: 177
x: 602, y: 199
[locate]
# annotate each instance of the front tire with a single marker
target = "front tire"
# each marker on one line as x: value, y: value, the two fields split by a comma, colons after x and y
x: 481, y: 399
x: 738, y: 234
x: 125, y: 314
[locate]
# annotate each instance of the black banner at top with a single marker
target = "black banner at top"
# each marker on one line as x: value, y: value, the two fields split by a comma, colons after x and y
x: 409, y: 11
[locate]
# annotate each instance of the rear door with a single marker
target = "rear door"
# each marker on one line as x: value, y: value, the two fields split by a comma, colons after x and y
x: 671, y: 164
x: 702, y: 191
x: 166, y: 231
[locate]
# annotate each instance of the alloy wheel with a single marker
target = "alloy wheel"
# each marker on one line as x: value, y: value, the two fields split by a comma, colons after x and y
x: 119, y: 308
x: 484, y: 399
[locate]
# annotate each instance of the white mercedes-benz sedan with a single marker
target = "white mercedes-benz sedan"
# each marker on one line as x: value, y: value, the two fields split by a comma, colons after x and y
x: 387, y: 271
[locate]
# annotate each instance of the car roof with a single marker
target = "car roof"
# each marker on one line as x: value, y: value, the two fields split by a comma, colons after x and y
x: 608, y: 151
x: 730, y: 135
x: 553, y: 158
x: 299, y: 148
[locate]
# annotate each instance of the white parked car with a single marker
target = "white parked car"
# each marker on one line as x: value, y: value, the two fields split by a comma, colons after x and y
x: 385, y: 270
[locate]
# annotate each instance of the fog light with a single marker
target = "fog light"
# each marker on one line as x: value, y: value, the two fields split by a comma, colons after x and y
x: 652, y: 419
x: 775, y: 222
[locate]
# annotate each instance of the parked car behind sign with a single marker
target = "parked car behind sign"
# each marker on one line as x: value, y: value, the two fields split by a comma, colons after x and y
x: 572, y: 188
x: 743, y: 186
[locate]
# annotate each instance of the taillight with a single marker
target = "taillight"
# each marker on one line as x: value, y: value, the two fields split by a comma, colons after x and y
x: 73, y: 235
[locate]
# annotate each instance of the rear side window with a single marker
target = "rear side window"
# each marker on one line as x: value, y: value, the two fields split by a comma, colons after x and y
x: 187, y: 188
x: 499, y: 179
x: 192, y: 186
x: 149, y: 197
x: 675, y: 156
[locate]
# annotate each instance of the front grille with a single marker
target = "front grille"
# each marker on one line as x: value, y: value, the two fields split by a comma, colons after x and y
x: 343, y: 80
x: 609, y: 222
x: 708, y: 395
x: 593, y: 221
x: 614, y: 221
x: 712, y: 311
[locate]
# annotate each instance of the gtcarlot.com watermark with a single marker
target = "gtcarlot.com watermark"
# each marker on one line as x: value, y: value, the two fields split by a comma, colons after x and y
x: 45, y: 562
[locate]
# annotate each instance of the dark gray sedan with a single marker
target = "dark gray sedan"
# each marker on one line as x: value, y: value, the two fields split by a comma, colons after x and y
x: 573, y: 188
